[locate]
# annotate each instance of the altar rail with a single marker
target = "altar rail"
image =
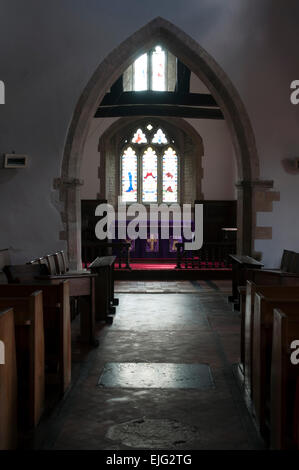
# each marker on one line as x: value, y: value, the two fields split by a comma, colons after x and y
x: 211, y: 255
x: 93, y: 249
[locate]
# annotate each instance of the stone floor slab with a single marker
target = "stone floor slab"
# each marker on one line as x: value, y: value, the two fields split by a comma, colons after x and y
x: 156, y: 375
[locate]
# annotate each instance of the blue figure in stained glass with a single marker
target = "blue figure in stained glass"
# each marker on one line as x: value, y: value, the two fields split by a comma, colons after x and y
x: 130, y: 189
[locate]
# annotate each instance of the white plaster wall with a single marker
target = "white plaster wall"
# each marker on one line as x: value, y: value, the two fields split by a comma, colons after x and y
x: 48, y: 52
x: 219, y: 163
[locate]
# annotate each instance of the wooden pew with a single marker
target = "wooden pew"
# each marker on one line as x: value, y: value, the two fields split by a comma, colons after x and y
x: 30, y: 349
x: 284, y: 378
x: 285, y: 297
x: 57, y: 327
x: 8, y: 382
x: 242, y: 296
x: 240, y: 266
x: 81, y: 287
x: 270, y: 277
x: 296, y: 416
x: 251, y: 288
x: 105, y: 300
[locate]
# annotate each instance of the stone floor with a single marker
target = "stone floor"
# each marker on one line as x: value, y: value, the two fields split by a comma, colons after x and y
x: 179, y: 331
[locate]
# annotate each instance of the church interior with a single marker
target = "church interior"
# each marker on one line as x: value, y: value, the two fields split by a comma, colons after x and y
x: 149, y: 254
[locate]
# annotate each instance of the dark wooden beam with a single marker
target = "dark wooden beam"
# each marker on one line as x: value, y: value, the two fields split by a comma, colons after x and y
x: 159, y: 110
x: 159, y: 97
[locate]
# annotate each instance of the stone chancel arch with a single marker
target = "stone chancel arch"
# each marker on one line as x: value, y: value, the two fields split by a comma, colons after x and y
x: 251, y: 191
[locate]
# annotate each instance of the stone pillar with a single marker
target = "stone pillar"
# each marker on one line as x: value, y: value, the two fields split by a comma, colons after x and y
x: 69, y: 189
x: 244, y: 218
x: 253, y: 196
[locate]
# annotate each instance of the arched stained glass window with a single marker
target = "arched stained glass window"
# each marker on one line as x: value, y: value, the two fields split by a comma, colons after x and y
x: 155, y: 70
x: 158, y: 69
x: 140, y: 73
x: 149, y: 173
x: 129, y: 176
x: 159, y: 137
x: 170, y: 176
x: 139, y: 137
x: 149, y: 176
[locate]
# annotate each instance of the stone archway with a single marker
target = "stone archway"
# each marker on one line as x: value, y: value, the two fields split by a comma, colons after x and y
x: 252, y: 193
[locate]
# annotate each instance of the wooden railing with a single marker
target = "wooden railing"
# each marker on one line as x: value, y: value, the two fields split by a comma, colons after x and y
x: 93, y: 249
x: 211, y: 255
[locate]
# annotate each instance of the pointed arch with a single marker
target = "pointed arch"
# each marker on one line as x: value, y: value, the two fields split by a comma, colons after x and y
x: 205, y: 67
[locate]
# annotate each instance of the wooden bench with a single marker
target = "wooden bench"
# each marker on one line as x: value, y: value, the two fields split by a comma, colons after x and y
x: 105, y: 300
x: 284, y: 379
x: 288, y: 271
x: 30, y: 350
x: 240, y: 266
x: 270, y: 277
x: 247, y: 329
x: 103, y: 267
x: 8, y: 383
x: 57, y: 328
x: 81, y: 288
x: 242, y: 297
x: 286, y: 297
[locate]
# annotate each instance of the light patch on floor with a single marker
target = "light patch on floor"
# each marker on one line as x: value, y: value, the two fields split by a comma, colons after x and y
x: 156, y: 375
x: 172, y: 287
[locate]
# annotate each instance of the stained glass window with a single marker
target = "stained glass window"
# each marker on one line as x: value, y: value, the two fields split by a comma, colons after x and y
x: 159, y: 137
x: 149, y: 175
x: 140, y: 73
x: 139, y: 137
x: 149, y: 172
x: 158, y: 69
x: 129, y: 176
x: 170, y: 176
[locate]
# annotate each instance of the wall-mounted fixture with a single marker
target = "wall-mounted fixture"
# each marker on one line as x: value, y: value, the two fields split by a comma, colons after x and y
x: 13, y: 160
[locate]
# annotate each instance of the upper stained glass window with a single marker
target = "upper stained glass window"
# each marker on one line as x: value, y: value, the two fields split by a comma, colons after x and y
x: 129, y: 176
x: 140, y: 73
x: 149, y: 71
x: 159, y: 137
x: 158, y: 69
x: 170, y: 176
x: 149, y: 175
x: 139, y: 137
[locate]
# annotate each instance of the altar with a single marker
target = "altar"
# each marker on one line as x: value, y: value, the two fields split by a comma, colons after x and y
x: 155, y: 246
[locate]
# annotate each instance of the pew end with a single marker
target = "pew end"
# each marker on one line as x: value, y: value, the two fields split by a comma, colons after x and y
x: 8, y: 382
x: 284, y: 399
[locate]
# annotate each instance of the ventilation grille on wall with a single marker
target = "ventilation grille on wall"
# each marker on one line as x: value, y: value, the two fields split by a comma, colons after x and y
x: 13, y: 160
